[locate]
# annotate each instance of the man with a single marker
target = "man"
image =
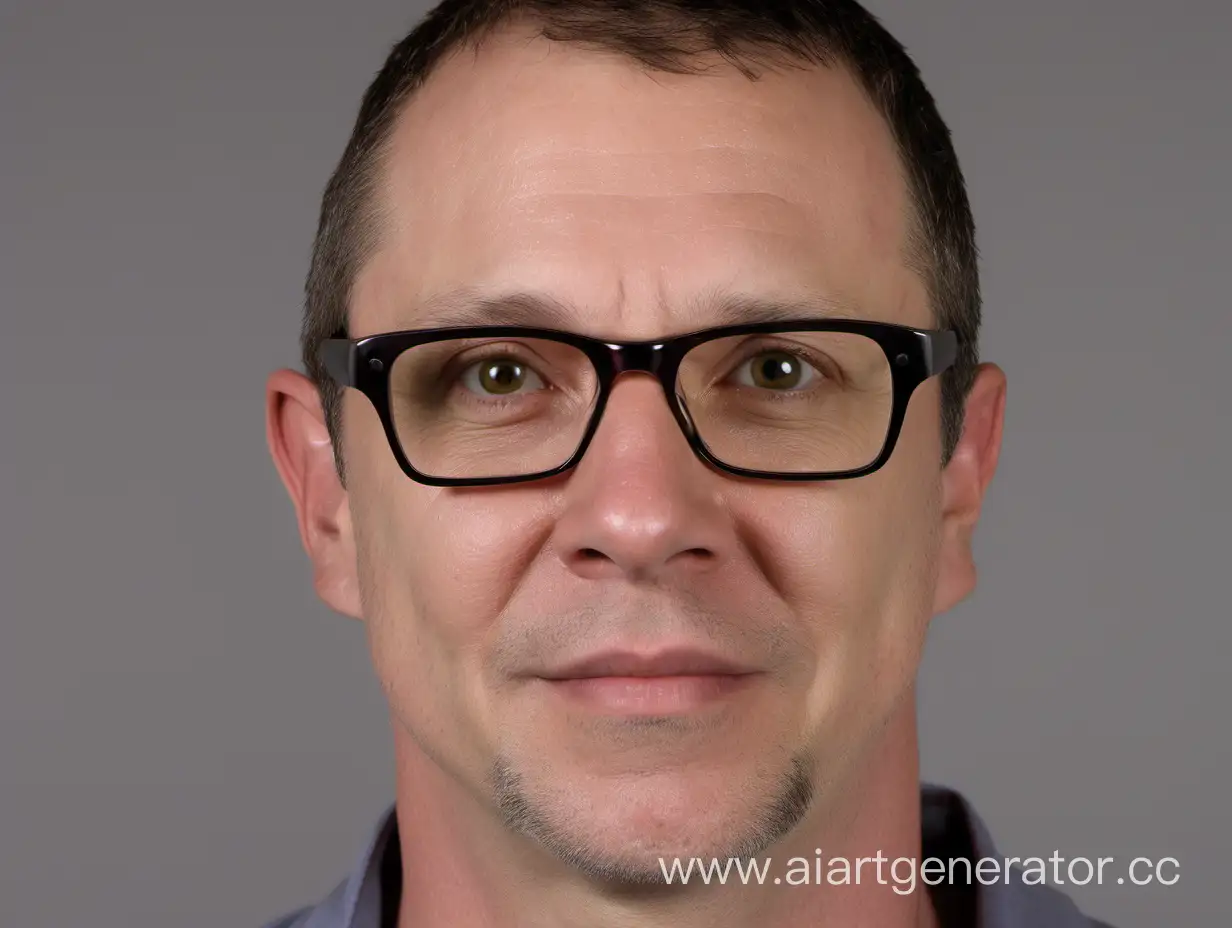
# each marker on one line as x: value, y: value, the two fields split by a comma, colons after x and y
x: 645, y: 431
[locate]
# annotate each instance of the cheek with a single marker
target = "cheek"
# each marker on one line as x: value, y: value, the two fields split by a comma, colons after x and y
x: 465, y: 554
x: 435, y: 574
x: 897, y: 519
x: 437, y: 569
x: 857, y: 564
x: 852, y: 558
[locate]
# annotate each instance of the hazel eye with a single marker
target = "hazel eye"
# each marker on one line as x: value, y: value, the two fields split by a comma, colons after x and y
x: 500, y: 377
x: 776, y: 370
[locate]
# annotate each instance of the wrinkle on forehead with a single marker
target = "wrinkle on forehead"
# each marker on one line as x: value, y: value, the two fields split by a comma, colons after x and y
x: 519, y: 157
x: 539, y: 108
x: 692, y: 169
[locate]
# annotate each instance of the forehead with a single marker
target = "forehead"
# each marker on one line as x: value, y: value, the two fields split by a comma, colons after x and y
x: 632, y: 195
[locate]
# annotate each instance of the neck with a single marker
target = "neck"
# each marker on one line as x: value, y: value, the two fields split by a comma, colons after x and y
x: 462, y: 867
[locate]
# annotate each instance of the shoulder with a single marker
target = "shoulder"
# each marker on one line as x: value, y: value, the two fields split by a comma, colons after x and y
x: 1014, y: 899
x: 1035, y: 906
x: 334, y: 911
x: 295, y: 919
x: 356, y: 901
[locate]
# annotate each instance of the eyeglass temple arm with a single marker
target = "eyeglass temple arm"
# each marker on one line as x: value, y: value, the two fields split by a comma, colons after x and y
x: 942, y: 350
x: 337, y: 355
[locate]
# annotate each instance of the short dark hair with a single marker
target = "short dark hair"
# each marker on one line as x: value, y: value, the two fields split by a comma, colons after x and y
x: 670, y: 36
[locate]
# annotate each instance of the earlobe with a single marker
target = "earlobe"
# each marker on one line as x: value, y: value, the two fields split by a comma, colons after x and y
x: 965, y: 482
x: 300, y: 446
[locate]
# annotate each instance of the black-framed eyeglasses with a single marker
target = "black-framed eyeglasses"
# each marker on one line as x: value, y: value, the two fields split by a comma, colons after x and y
x: 799, y: 400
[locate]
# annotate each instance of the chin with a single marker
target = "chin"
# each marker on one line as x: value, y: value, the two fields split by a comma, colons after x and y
x: 616, y: 828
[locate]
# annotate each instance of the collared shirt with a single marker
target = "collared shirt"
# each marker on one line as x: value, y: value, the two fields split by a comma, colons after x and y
x: 368, y: 898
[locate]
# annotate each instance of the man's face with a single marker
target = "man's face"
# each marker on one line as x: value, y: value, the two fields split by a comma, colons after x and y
x: 638, y: 200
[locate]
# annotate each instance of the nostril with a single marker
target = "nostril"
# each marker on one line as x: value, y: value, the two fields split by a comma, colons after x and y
x: 592, y: 554
x: 704, y: 553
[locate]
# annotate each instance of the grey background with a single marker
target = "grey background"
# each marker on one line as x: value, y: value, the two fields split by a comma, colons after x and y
x: 188, y: 738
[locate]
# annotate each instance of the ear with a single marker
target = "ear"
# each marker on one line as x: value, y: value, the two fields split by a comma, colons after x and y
x: 964, y: 482
x: 300, y: 446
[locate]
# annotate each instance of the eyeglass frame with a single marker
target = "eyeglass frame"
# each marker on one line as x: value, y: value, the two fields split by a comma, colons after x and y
x: 915, y: 356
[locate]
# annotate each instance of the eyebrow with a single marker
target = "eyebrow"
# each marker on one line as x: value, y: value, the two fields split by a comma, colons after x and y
x: 468, y: 307
x: 738, y: 309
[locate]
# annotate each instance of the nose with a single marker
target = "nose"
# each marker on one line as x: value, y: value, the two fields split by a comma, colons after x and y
x: 641, y: 504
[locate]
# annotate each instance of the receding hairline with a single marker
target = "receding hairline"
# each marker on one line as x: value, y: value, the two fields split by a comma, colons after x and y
x: 751, y: 59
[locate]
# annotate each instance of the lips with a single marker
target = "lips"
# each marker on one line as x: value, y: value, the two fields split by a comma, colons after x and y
x: 678, y: 682
x: 681, y: 662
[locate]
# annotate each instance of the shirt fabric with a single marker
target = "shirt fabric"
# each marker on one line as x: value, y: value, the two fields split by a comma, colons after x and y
x: 950, y: 828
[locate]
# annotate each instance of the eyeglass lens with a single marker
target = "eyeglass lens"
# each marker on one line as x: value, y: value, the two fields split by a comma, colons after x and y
x: 785, y: 402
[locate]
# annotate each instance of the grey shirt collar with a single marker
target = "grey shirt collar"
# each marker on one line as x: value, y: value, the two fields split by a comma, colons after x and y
x: 947, y: 820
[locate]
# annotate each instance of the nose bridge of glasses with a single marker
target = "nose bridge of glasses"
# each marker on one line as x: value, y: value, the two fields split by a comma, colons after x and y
x: 655, y: 359
x: 639, y: 357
